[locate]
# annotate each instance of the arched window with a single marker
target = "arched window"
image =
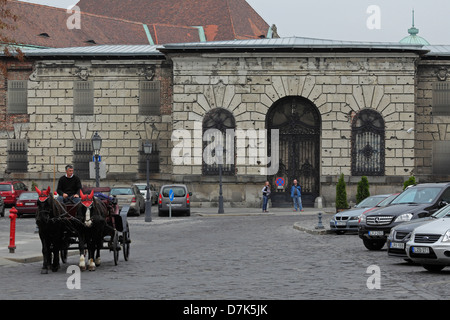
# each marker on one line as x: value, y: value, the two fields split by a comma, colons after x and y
x: 368, y: 152
x: 216, y: 123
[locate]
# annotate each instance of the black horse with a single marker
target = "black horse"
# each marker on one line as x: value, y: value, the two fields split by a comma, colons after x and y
x: 92, y: 214
x: 51, y: 230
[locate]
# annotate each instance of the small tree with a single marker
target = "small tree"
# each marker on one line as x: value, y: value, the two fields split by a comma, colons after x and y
x: 362, y: 190
x: 409, y: 182
x: 341, y: 194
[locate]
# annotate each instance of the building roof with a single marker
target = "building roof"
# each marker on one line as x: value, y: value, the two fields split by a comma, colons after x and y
x: 97, y: 51
x: 220, y: 19
x: 46, y: 27
x: 294, y: 43
x: 287, y: 44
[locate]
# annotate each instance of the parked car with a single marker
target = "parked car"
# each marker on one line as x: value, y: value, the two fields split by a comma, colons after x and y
x: 401, y: 234
x: 129, y: 195
x: 347, y: 221
x: 430, y: 244
x: 153, y: 193
x: 180, y: 204
x: 419, y: 201
x: 2, y: 207
x: 27, y: 203
x: 11, y: 190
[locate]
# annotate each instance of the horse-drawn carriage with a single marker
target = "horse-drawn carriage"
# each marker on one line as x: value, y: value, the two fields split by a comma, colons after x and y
x: 93, y: 224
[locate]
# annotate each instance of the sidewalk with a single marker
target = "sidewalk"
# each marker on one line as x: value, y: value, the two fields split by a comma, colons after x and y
x: 29, y: 249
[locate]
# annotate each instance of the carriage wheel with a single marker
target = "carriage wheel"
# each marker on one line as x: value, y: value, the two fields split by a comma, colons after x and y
x: 115, y: 247
x: 126, y: 244
x: 64, y: 255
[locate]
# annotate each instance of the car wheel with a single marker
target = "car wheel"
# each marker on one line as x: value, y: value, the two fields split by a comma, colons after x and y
x: 374, y: 244
x: 433, y: 267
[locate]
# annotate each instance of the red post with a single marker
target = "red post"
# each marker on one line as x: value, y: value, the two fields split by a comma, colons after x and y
x: 12, y: 233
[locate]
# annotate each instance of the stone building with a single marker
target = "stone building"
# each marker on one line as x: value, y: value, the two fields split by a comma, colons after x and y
x: 290, y: 108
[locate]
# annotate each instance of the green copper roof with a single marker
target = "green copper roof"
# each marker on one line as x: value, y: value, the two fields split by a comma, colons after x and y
x: 413, y: 37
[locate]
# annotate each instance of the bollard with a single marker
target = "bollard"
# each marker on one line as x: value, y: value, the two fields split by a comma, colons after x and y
x: 320, y: 225
x: 12, y: 232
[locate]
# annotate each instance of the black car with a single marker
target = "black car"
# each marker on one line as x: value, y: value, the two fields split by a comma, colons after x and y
x: 419, y: 201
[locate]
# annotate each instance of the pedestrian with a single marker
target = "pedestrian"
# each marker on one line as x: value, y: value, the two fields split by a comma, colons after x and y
x: 296, y: 195
x: 266, y: 195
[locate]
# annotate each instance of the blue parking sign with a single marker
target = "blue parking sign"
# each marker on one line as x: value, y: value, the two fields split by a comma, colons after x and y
x: 171, y: 195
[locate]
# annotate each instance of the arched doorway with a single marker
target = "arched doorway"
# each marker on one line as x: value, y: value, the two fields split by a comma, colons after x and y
x: 299, y: 123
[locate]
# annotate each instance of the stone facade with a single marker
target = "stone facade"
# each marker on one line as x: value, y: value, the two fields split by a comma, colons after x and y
x: 339, y: 85
x: 397, y: 84
x: 53, y: 127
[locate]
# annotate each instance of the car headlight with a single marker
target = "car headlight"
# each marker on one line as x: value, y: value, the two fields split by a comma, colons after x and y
x: 404, y: 217
x: 355, y: 218
x: 446, y: 237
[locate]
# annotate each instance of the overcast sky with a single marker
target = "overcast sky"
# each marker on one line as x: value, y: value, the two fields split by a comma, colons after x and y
x: 387, y: 20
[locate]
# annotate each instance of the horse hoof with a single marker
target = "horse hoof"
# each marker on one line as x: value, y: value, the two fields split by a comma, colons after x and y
x: 44, y: 271
x: 55, y: 269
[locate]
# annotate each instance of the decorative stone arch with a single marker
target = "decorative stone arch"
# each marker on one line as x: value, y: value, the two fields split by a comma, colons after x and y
x: 299, y: 123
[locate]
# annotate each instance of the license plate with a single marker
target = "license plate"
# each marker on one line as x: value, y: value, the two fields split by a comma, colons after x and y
x: 421, y: 250
x: 29, y: 204
x: 341, y: 223
x: 376, y: 233
x: 3, y: 198
x: 175, y: 205
x: 397, y: 245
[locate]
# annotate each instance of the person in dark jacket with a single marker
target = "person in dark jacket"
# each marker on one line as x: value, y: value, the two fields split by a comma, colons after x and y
x: 296, y: 195
x: 266, y: 195
x: 69, y: 187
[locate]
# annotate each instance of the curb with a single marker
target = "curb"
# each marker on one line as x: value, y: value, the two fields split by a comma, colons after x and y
x: 310, y: 230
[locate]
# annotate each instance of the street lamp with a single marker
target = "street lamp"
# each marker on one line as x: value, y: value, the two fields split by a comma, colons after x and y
x: 219, y: 157
x: 97, y: 145
x: 148, y: 147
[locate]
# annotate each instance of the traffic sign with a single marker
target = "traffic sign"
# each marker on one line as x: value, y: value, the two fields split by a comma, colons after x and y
x: 280, y: 182
x: 171, y: 195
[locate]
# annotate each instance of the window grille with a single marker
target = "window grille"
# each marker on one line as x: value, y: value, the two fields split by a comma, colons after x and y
x: 368, y: 141
x: 83, y: 98
x: 154, y: 158
x: 441, y: 98
x: 82, y: 155
x: 17, y: 155
x: 441, y: 157
x: 17, y: 96
x: 220, y: 119
x: 150, y: 98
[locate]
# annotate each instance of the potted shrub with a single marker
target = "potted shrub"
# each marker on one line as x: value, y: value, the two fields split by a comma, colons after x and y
x: 362, y: 191
x: 341, y: 195
x: 410, y: 182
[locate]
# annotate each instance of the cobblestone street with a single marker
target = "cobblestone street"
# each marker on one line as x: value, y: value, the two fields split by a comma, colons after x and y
x: 238, y: 257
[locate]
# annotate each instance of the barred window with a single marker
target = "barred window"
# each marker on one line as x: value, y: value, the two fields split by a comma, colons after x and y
x: 17, y: 96
x: 83, y: 98
x: 441, y: 98
x: 368, y: 141
x: 82, y: 155
x: 150, y: 98
x: 154, y: 158
x: 441, y: 156
x: 222, y: 120
x: 17, y: 155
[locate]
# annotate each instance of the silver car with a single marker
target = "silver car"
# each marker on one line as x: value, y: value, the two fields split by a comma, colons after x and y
x: 129, y: 195
x: 348, y: 220
x: 181, y: 201
x: 153, y: 193
x: 430, y: 244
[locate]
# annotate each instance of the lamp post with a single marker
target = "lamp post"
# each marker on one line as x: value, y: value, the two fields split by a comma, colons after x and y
x: 219, y: 154
x: 97, y: 145
x: 148, y: 147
